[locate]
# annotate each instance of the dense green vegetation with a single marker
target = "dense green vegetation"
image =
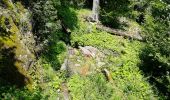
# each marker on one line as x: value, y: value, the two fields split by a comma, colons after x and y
x: 44, y: 47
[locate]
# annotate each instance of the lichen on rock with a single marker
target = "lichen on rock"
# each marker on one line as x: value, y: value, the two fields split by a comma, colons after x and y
x: 16, y: 35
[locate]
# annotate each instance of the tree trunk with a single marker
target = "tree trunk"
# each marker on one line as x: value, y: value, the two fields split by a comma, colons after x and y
x: 96, y: 10
x: 120, y: 33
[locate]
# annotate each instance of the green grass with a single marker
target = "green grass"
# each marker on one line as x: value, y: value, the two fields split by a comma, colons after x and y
x: 125, y: 72
x: 128, y: 79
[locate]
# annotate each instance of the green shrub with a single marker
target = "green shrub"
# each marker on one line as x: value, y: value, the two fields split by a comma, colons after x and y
x: 155, y: 56
x: 93, y: 87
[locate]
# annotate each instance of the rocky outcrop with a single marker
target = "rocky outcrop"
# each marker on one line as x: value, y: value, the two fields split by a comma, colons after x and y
x: 89, y: 51
x: 16, y: 35
x: 86, y: 60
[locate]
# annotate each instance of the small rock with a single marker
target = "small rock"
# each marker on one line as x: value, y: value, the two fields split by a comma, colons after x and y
x: 89, y: 51
x: 71, y: 51
x: 64, y: 65
x: 100, y: 64
x: 85, y: 51
x: 77, y: 65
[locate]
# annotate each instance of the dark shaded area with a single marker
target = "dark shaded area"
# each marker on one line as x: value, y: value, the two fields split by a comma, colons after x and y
x: 52, y: 25
x: 141, y: 7
x: 111, y: 10
x: 76, y: 44
x: 141, y: 19
x: 156, y: 55
x: 26, y: 3
x: 167, y: 1
x: 67, y: 16
x: 54, y: 48
x: 3, y: 31
x: 161, y: 14
x: 156, y: 71
x: 66, y: 34
x: 61, y: 38
x: 9, y: 73
x: 53, y: 17
x: 40, y: 18
x: 88, y: 4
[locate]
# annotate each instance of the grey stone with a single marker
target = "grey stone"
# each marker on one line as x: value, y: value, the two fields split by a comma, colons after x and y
x: 64, y: 65
x: 100, y: 64
x: 89, y: 51
x: 77, y: 65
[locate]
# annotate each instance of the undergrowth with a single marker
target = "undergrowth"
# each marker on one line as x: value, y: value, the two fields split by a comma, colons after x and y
x: 127, y: 77
x: 128, y: 81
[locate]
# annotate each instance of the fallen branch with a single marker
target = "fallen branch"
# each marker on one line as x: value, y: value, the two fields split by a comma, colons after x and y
x: 119, y: 32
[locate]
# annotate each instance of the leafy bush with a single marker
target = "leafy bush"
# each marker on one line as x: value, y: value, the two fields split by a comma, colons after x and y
x: 46, y: 19
x: 9, y: 92
x: 92, y: 87
x: 111, y: 10
x: 155, y: 56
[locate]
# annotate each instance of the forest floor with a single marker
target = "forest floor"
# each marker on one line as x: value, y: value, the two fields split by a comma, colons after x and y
x: 100, y: 65
x: 79, y: 59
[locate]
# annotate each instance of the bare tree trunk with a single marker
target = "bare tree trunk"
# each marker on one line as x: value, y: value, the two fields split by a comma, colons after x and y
x: 96, y: 10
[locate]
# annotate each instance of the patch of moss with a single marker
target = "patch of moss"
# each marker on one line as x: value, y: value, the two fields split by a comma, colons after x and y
x: 20, y: 68
x: 14, y: 28
x: 10, y: 37
x: 7, y: 42
x: 2, y: 22
x: 9, y: 4
x: 20, y: 7
x: 12, y: 42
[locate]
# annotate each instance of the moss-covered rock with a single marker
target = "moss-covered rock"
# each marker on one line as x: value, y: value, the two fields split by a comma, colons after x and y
x: 17, y: 38
x: 8, y: 4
